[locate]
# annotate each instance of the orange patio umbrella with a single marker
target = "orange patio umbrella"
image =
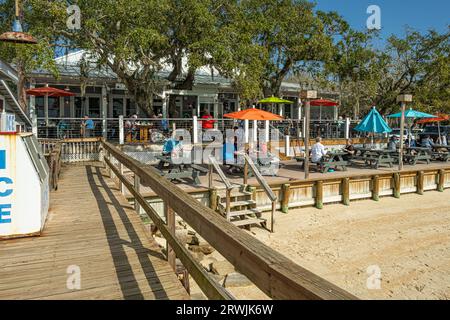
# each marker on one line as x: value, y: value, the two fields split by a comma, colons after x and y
x: 439, y: 118
x: 254, y: 114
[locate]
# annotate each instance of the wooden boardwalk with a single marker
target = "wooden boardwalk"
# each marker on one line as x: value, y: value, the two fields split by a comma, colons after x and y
x: 91, y: 229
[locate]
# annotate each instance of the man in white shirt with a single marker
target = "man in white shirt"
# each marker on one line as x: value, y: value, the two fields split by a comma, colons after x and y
x: 318, y: 152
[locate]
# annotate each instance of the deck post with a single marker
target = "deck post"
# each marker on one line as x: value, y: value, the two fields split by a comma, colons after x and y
x: 228, y: 204
x: 272, y: 217
x: 121, y: 131
x: 346, y: 191
x: 213, y: 198
x: 441, y: 182
x: 420, y: 182
x: 286, y: 191
x: 397, y: 185
x: 170, y: 221
x: 137, y: 186
x: 319, y: 194
x: 122, y: 170
x: 376, y: 188
x: 246, y: 172
x: 210, y: 176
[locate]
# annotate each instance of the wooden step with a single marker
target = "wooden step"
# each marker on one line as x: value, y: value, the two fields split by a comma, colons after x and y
x: 248, y: 222
x: 239, y: 203
x: 245, y: 212
x: 234, y: 193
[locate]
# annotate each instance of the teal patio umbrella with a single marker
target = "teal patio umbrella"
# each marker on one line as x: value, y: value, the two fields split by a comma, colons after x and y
x: 410, y: 115
x: 373, y: 123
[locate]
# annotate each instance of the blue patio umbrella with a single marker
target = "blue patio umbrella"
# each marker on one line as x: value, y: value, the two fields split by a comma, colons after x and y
x: 410, y: 115
x: 373, y: 123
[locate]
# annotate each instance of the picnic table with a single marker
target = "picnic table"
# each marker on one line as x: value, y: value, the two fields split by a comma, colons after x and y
x: 177, y: 170
x: 333, y: 159
x: 376, y: 157
x: 416, y: 154
x: 439, y: 154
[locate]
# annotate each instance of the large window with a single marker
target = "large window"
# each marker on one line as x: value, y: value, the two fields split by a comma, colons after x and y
x: 94, y: 107
x: 80, y: 110
x: 117, y: 107
x: 131, y: 108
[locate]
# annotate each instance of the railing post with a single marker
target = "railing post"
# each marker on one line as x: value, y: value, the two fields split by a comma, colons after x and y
x: 122, y: 186
x: 170, y: 221
x: 137, y: 186
x: 213, y: 199
x: 228, y: 204
x: 246, y: 172
x: 287, y: 147
x: 267, y: 131
x: 246, y: 131
x: 121, y: 132
x: 376, y: 188
x: 420, y: 182
x: 286, y: 190
x: 210, y: 176
x: 346, y: 191
x: 441, y: 181
x: 272, y: 217
x: 347, y: 128
x: 195, y: 129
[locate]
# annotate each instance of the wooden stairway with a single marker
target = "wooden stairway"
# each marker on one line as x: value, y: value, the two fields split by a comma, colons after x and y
x: 242, y: 207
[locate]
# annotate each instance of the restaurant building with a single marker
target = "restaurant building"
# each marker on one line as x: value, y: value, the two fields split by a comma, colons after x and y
x: 106, y: 97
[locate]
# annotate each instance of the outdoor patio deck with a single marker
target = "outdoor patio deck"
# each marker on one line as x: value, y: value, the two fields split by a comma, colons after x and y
x: 291, y: 172
x: 90, y: 226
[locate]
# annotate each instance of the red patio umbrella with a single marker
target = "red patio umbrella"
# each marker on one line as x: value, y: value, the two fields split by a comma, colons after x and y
x: 49, y: 91
x: 323, y: 103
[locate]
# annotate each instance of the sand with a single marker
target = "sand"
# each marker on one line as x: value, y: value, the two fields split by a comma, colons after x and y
x: 407, y: 240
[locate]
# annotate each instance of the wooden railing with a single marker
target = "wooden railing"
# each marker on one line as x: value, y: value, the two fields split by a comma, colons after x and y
x: 214, y: 165
x: 52, y: 153
x: 81, y: 150
x: 273, y: 273
x: 263, y: 183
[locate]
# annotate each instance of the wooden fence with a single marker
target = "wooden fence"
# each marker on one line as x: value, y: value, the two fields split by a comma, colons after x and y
x: 320, y: 191
x: 273, y: 273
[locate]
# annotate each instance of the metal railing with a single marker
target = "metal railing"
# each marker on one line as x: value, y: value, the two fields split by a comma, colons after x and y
x: 156, y: 130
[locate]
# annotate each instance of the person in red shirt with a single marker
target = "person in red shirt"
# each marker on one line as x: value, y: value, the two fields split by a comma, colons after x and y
x: 208, y: 121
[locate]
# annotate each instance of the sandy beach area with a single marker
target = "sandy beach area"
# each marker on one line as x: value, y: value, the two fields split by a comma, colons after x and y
x: 404, y: 243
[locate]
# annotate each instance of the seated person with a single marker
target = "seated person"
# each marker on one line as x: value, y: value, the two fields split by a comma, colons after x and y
x: 318, y: 152
x: 427, y: 142
x: 170, y: 147
x: 229, y: 153
x: 392, y: 145
x: 350, y: 149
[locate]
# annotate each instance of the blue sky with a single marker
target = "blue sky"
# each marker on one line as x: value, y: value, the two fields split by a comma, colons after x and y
x: 395, y: 14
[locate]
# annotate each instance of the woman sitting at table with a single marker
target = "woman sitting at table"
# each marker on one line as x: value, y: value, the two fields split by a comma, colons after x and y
x: 318, y: 152
x: 350, y: 150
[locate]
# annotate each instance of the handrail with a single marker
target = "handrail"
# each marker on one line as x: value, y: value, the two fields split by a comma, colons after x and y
x: 260, y: 178
x: 223, y: 177
x: 263, y: 183
x: 273, y: 273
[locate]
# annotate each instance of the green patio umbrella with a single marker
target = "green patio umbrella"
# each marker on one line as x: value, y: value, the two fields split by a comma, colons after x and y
x: 274, y: 100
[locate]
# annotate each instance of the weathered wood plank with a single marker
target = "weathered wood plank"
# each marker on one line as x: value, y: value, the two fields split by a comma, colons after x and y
x: 92, y: 226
